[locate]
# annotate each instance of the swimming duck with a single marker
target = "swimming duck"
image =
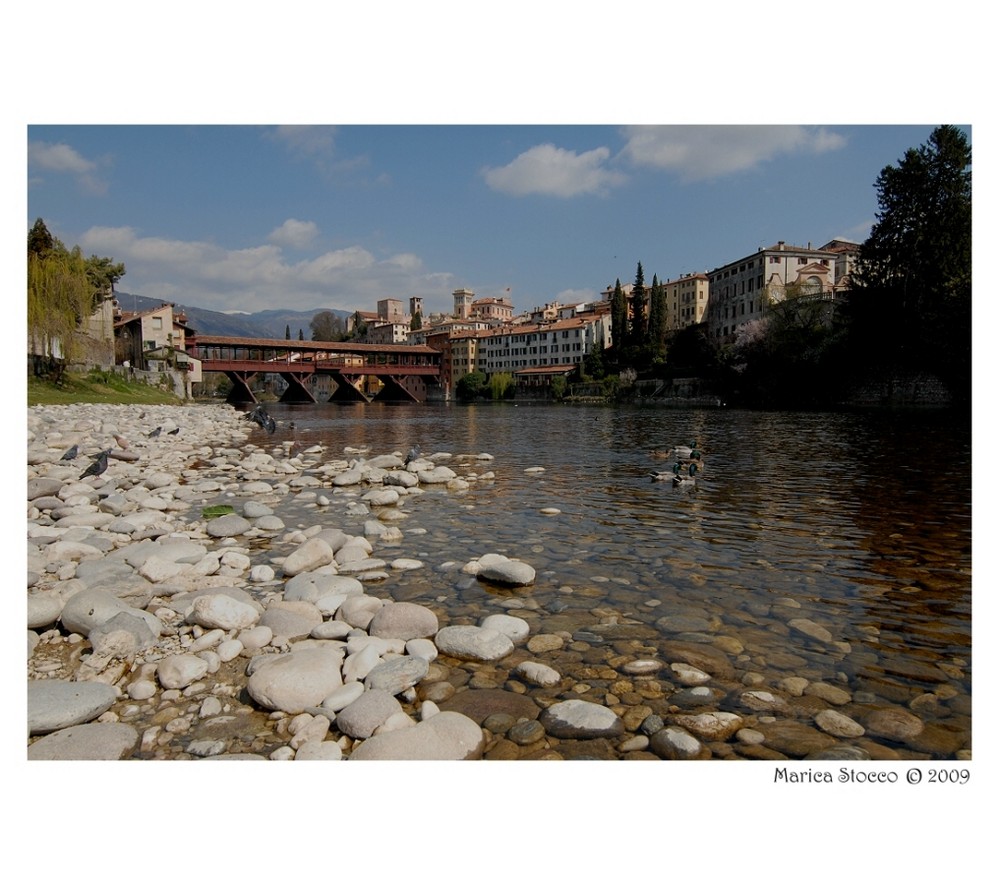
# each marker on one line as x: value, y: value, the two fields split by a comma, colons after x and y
x: 687, y: 453
x: 681, y: 479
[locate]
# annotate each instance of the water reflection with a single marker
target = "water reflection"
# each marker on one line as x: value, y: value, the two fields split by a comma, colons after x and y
x: 859, y: 522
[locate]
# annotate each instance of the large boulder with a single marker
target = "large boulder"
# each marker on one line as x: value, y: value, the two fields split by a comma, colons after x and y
x: 444, y: 736
x: 301, y: 679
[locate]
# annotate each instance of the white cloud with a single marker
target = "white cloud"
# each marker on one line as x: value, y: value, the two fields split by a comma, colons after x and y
x: 577, y: 296
x: 294, y: 234
x: 306, y: 140
x: 697, y: 153
x: 318, y: 145
x: 405, y: 261
x: 61, y: 159
x: 553, y: 171
x: 206, y: 275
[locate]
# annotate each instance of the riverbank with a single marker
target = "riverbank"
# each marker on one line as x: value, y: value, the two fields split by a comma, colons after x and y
x: 310, y: 622
x: 96, y: 387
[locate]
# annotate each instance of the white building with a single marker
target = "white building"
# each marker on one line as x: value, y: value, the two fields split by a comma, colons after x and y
x: 742, y: 290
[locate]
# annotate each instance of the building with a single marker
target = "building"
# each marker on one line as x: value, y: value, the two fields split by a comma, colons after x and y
x: 687, y: 300
x: 389, y: 310
x: 743, y: 290
x: 493, y: 311
x: 156, y: 341
x: 463, y: 303
x: 559, y: 343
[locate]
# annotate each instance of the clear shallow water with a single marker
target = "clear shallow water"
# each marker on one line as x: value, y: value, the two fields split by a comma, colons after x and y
x: 859, y: 522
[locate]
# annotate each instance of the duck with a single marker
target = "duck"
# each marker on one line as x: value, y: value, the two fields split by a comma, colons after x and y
x: 687, y: 453
x: 679, y: 479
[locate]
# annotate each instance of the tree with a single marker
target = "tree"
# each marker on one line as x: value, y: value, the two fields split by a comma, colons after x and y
x: 64, y: 289
x: 416, y: 322
x: 59, y: 297
x: 593, y: 364
x: 638, y: 326
x: 40, y: 241
x: 501, y: 385
x: 911, y: 294
x: 783, y: 358
x: 301, y: 336
x: 360, y: 326
x: 657, y: 333
x: 103, y: 273
x: 471, y: 386
x: 327, y: 326
x: 288, y: 332
x: 619, y: 321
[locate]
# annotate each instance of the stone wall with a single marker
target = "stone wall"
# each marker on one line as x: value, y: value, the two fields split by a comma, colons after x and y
x: 902, y: 390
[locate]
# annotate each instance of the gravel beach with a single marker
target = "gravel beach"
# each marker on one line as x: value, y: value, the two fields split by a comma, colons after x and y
x: 173, y: 614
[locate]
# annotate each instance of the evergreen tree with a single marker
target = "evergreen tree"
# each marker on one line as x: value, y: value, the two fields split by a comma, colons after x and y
x: 40, y: 241
x: 619, y: 321
x: 657, y: 320
x: 911, y: 300
x: 416, y: 322
x: 288, y: 332
x: 301, y: 336
x: 103, y: 273
x: 638, y: 325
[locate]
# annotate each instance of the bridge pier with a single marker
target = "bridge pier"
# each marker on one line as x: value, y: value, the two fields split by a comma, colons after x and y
x: 347, y: 389
x: 241, y: 392
x: 394, y: 391
x: 296, y: 392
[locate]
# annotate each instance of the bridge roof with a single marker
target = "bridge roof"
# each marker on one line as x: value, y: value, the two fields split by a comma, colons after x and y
x: 287, y: 344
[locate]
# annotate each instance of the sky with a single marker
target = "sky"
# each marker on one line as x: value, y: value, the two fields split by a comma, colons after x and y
x: 250, y: 217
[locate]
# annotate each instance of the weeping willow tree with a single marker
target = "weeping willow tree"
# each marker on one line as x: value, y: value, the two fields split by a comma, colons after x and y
x: 501, y: 385
x: 65, y: 291
x: 60, y: 296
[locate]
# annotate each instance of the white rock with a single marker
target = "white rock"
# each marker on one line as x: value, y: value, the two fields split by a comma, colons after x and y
x: 296, y: 680
x: 516, y: 628
x: 222, y: 611
x: 470, y: 643
x: 538, y: 673
x: 179, y: 671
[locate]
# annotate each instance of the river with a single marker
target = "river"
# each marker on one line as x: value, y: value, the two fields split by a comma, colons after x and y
x: 831, y: 547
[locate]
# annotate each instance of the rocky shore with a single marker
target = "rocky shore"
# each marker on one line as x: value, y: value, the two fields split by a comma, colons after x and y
x: 163, y: 626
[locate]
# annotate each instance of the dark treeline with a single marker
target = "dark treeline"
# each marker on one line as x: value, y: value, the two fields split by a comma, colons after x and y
x: 907, y: 313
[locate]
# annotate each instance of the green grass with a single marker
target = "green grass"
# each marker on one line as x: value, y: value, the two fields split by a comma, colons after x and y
x: 96, y: 387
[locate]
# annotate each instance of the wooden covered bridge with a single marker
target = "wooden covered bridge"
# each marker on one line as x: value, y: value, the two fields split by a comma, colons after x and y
x: 362, y: 372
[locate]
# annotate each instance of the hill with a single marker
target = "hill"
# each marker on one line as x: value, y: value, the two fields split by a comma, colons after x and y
x: 262, y: 324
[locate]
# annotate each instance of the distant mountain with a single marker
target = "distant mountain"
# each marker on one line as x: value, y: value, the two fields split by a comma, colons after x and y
x: 262, y: 324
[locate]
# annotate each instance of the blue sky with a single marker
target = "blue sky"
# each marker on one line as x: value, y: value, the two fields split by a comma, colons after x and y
x: 249, y: 217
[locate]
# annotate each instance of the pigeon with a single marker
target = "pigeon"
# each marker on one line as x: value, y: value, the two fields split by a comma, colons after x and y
x: 155, y: 432
x: 98, y: 465
x: 70, y: 453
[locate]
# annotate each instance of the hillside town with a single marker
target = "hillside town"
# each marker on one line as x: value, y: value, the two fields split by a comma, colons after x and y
x: 487, y: 334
